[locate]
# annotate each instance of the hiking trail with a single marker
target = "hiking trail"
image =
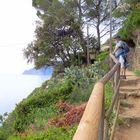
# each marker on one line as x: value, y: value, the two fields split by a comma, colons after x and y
x: 128, y: 126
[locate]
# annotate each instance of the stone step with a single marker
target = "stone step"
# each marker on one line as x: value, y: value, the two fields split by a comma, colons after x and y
x: 128, y: 123
x: 130, y: 107
x: 130, y: 82
x: 125, y: 103
x: 130, y: 89
x: 128, y: 131
x: 128, y: 117
x: 124, y: 95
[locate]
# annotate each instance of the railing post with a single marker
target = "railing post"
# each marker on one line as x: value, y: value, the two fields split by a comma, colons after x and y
x: 117, y: 89
x: 115, y: 81
x: 101, y: 128
x: 115, y: 121
x: 118, y: 75
x: 106, y: 129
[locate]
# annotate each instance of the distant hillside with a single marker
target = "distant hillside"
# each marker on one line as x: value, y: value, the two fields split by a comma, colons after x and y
x: 42, y: 71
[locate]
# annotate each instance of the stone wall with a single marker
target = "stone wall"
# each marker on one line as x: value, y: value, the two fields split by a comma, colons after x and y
x: 136, y: 59
x: 134, y: 55
x: 131, y: 59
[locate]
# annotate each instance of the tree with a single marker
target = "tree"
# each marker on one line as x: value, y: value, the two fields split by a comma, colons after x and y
x: 59, y: 35
x: 3, y: 117
x: 98, y: 15
x: 129, y: 11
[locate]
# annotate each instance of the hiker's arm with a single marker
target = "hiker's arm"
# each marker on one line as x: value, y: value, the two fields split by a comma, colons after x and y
x: 116, y: 48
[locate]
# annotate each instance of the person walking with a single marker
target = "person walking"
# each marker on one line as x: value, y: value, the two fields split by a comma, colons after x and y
x: 120, y: 53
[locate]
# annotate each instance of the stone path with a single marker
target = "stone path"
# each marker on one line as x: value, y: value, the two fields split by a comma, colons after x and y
x: 128, y: 127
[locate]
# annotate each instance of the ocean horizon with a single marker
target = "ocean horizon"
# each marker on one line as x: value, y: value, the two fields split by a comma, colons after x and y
x: 15, y: 87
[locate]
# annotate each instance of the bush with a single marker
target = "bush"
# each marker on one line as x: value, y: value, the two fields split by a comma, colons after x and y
x: 7, y: 127
x: 83, y: 77
x: 44, y: 98
x: 102, y: 56
x: 108, y: 95
x: 52, y: 133
x: 80, y: 95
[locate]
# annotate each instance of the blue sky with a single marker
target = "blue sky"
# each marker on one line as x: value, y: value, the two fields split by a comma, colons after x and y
x: 16, y: 31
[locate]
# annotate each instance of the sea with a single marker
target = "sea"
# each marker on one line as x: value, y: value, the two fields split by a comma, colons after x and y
x: 15, y: 87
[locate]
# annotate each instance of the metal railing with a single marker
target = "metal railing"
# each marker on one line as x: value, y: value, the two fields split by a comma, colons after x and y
x: 95, y: 121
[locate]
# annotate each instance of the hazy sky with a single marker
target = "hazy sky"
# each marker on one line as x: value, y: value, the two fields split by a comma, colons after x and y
x: 17, y: 25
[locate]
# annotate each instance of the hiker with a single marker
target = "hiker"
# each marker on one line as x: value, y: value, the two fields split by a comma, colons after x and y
x: 120, y: 52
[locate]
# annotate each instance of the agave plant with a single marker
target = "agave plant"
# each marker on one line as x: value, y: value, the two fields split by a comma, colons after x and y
x: 83, y: 76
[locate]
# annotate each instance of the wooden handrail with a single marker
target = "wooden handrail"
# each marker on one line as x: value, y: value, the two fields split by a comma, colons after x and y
x: 107, y: 77
x: 89, y: 125
x: 114, y: 58
x: 92, y: 122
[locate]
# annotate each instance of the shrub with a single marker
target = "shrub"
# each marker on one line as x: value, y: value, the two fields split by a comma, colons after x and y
x: 102, y: 56
x: 24, y: 118
x: 83, y: 77
x: 7, y: 127
x: 108, y: 95
x: 52, y: 133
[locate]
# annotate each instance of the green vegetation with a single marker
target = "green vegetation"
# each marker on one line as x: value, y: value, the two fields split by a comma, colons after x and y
x: 7, y: 127
x: 137, y: 72
x: 33, y: 113
x: 108, y: 99
x: 102, y: 56
x: 108, y: 95
x: 53, y: 133
x: 41, y: 98
x: 39, y: 128
x: 60, y: 39
x: 131, y: 24
x: 130, y: 12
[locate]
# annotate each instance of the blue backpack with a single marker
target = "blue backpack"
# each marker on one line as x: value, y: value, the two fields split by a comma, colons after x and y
x: 125, y: 47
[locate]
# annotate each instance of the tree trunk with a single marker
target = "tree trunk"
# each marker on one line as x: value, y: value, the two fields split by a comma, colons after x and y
x: 98, y: 36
